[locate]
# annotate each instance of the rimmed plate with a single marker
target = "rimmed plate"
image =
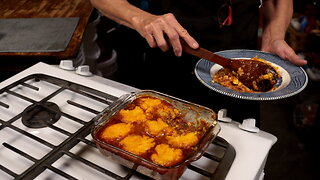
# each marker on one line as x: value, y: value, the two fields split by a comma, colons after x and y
x: 294, y: 79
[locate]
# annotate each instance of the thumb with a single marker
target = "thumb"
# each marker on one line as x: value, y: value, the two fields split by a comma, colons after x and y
x: 294, y: 58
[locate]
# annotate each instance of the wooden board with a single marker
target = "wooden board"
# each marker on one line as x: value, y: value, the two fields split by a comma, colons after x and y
x: 49, y: 9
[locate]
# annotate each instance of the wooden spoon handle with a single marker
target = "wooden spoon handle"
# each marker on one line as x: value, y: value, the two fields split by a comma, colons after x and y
x: 205, y: 54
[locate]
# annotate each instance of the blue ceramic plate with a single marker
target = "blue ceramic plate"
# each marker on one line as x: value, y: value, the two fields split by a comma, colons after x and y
x: 293, y: 79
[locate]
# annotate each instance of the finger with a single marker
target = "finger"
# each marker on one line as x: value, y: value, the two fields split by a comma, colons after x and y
x: 292, y: 57
x: 161, y: 42
x: 158, y: 29
x: 284, y: 51
x: 182, y: 32
x: 297, y: 60
x: 176, y: 44
x: 154, y: 35
x: 151, y: 41
x: 174, y: 39
x: 188, y: 39
x: 289, y: 54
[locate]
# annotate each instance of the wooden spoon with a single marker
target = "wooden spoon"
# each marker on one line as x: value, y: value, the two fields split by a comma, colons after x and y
x: 256, y: 75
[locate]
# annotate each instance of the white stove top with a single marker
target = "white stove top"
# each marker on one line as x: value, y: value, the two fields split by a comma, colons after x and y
x: 251, y: 148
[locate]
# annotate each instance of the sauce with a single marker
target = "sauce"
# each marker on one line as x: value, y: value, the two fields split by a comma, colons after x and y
x: 161, y: 124
x: 249, y: 76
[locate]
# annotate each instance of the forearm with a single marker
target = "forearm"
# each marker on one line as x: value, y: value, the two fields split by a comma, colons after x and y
x: 277, y: 15
x: 120, y: 11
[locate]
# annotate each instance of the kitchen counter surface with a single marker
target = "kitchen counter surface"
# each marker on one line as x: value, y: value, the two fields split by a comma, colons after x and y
x: 35, y: 9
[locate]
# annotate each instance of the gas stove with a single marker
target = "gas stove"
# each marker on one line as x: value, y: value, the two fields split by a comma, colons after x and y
x: 45, y: 121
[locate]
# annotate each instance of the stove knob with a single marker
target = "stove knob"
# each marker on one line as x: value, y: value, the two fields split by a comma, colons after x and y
x: 222, y: 116
x: 66, y: 65
x: 249, y: 125
x: 83, y: 70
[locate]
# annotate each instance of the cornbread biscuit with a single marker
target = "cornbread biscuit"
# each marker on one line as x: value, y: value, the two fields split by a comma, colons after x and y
x: 183, y: 141
x: 135, y: 115
x: 166, y: 156
x: 137, y: 144
x: 148, y: 103
x: 116, y: 131
x: 154, y: 108
x: 155, y: 128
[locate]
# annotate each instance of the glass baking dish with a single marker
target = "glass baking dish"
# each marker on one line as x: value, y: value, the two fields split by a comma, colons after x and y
x: 192, y: 113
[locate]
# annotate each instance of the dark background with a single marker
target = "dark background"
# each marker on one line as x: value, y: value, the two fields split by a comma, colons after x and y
x: 294, y: 120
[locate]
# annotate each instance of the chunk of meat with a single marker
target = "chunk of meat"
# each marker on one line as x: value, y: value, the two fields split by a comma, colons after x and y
x: 167, y: 113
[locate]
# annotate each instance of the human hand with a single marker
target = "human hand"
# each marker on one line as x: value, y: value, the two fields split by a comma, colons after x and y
x: 284, y: 51
x: 161, y: 30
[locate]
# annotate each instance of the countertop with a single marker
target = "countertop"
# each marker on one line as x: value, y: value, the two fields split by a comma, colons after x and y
x: 81, y: 9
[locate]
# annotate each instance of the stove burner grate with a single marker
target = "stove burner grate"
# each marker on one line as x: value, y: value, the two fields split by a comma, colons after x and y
x: 41, y: 115
x: 33, y: 117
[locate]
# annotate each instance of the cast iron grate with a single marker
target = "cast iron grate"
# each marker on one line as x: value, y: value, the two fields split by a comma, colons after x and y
x: 224, y: 161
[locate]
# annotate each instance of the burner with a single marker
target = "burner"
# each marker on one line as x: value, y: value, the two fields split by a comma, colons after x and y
x: 38, y: 116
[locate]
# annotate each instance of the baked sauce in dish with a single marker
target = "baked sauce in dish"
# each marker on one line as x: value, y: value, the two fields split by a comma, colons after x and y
x: 229, y: 79
x: 154, y: 130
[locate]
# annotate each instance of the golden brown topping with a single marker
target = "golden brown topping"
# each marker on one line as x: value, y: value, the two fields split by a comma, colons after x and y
x: 155, y: 108
x: 137, y: 144
x: 148, y: 103
x: 183, y: 141
x: 166, y: 156
x: 156, y: 127
x: 116, y: 131
x: 134, y: 115
x: 149, y: 121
